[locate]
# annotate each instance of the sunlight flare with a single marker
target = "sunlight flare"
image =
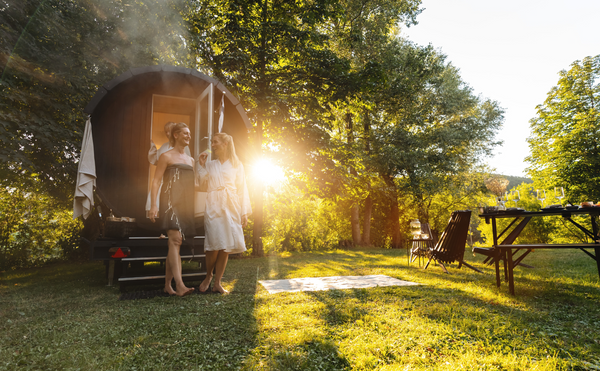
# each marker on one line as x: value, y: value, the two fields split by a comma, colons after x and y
x: 265, y: 171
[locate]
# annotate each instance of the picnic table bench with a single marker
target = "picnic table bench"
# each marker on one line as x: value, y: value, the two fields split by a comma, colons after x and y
x: 507, y: 252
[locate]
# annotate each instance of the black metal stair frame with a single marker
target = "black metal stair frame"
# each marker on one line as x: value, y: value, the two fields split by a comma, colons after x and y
x: 130, y: 270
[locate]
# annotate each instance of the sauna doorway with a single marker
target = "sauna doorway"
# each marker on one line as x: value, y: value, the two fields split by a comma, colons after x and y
x: 197, y: 114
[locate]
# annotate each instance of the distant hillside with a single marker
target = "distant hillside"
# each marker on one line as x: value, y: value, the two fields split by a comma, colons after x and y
x: 515, y: 180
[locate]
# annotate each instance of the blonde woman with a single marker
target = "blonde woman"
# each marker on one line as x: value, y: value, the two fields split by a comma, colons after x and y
x: 176, y: 170
x: 154, y: 154
x: 227, y: 208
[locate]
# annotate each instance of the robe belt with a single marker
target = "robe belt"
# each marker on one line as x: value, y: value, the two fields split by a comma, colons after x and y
x: 232, y: 197
x: 221, y: 188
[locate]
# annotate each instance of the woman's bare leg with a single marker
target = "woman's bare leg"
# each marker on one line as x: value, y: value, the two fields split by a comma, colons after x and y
x: 211, y: 260
x: 174, y: 260
x: 220, y: 269
x: 168, y: 277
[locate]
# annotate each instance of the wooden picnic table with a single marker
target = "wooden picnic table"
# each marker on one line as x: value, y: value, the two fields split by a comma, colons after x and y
x: 506, y: 250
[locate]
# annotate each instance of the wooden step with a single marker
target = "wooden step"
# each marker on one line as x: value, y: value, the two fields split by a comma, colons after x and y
x: 159, y: 277
x: 160, y: 258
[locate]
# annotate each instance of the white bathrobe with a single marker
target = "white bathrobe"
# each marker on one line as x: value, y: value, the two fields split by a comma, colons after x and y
x: 226, y: 202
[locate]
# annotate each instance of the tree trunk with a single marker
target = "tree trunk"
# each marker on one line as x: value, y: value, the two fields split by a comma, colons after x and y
x: 395, y: 224
x: 354, y: 212
x: 422, y: 209
x: 394, y: 217
x: 257, y: 248
x: 366, y: 238
x: 355, y: 222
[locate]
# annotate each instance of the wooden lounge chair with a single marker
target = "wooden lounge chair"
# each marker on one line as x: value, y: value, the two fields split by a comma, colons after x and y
x: 451, y: 245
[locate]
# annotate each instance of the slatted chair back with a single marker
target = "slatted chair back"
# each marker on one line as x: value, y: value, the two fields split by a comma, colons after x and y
x: 451, y: 245
x: 420, y: 248
x: 427, y: 230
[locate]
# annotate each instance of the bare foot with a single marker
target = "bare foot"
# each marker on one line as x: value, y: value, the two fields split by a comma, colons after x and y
x: 169, y: 290
x: 204, y: 285
x: 185, y: 291
x: 219, y: 289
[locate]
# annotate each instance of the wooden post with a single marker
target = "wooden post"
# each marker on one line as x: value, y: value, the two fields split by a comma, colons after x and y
x: 111, y: 272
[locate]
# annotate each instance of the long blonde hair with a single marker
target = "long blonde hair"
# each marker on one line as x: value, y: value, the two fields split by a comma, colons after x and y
x: 229, y: 149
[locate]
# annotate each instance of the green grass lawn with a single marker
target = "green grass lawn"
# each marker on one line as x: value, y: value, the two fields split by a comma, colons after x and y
x: 64, y: 317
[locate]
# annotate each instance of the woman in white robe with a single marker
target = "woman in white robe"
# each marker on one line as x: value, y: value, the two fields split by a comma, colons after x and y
x: 227, y: 208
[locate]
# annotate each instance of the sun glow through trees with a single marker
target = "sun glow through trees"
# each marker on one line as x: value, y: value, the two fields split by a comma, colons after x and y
x: 267, y: 172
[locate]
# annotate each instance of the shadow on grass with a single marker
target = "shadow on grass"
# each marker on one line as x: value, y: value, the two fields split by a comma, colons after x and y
x: 547, y: 304
x: 64, y: 317
x: 316, y: 354
x: 335, y: 263
x: 217, y: 331
x: 432, y: 321
x: 283, y: 341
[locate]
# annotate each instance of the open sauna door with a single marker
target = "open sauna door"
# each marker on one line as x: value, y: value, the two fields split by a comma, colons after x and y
x: 167, y: 108
x: 202, y: 135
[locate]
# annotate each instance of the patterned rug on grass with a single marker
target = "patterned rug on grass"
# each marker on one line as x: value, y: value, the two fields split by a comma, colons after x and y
x: 331, y: 283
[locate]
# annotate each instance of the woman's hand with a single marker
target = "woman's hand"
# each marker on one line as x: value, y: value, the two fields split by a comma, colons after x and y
x: 244, y: 221
x: 153, y: 213
x: 202, y: 158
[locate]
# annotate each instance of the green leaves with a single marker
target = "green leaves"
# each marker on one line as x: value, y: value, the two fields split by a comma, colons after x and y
x: 564, y: 143
x: 436, y: 128
x: 59, y: 52
x: 34, y: 229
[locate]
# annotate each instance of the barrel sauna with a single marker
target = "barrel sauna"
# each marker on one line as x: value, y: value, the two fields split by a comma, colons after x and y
x: 130, y: 111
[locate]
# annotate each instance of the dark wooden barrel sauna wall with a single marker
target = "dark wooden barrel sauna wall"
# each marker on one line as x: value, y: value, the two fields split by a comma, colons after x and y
x: 121, y: 115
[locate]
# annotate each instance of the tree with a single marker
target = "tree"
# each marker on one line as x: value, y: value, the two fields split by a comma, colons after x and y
x: 274, y: 55
x: 57, y: 53
x: 365, y: 33
x: 364, y: 118
x: 565, y: 136
x: 459, y: 192
x: 34, y: 230
x: 421, y: 132
x: 431, y: 128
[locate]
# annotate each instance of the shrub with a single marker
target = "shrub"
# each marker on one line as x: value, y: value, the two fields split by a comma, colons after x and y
x: 294, y: 222
x: 34, y: 230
